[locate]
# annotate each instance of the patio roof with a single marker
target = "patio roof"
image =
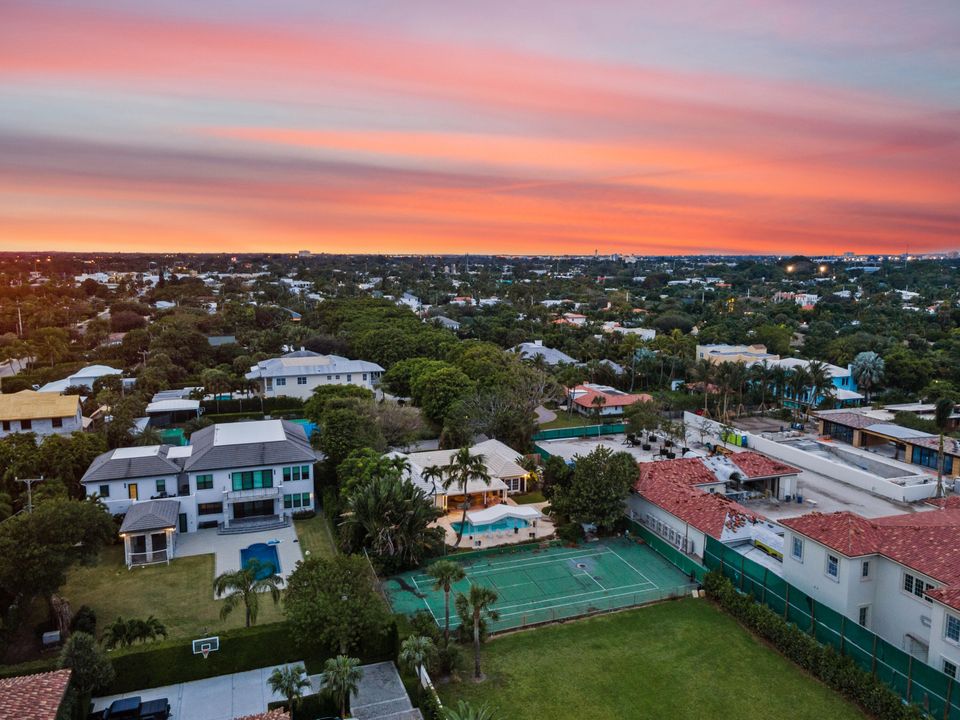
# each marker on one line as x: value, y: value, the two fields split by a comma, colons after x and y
x: 499, y: 512
x: 151, y: 515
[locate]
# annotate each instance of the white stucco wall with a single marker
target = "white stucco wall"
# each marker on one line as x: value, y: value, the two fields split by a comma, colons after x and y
x: 640, y: 510
x: 44, y: 426
x: 941, y: 647
x: 293, y: 389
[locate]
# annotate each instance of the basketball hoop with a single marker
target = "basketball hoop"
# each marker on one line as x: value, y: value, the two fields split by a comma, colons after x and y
x: 205, y: 651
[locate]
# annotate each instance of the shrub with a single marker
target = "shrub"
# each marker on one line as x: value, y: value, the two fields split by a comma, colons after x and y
x: 839, y: 672
x: 84, y: 621
x: 570, y: 532
x: 304, y: 514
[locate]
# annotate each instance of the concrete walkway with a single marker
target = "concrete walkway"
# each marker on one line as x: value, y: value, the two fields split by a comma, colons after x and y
x: 544, y: 415
x: 224, y: 697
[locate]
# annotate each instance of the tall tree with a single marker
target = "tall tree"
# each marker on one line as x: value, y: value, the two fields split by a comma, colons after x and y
x: 91, y: 668
x: 243, y: 588
x: 943, y: 410
x: 415, y: 651
x: 341, y: 676
x: 445, y: 574
x: 476, y: 605
x: 289, y: 681
x: 867, y: 370
x: 598, y: 488
x: 463, y: 469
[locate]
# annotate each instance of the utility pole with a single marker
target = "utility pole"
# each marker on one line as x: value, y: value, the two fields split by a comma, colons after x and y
x: 29, y: 483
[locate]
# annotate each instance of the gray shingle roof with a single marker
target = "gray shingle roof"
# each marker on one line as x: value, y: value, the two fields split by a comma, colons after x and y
x: 107, y: 467
x: 151, y: 515
x: 207, y: 455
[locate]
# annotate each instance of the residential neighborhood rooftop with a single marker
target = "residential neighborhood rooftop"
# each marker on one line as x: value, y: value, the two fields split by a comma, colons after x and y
x: 32, y: 405
x: 33, y: 697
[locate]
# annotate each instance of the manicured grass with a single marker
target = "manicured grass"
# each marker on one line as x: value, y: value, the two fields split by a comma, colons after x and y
x: 316, y: 536
x: 531, y: 497
x: 568, y: 419
x: 180, y: 594
x: 682, y: 659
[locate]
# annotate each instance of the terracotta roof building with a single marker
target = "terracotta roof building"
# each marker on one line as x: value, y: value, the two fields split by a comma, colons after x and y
x: 33, y: 697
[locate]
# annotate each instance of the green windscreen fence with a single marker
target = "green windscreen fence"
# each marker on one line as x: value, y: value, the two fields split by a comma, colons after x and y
x: 580, y: 431
x: 686, y: 564
x: 913, y: 679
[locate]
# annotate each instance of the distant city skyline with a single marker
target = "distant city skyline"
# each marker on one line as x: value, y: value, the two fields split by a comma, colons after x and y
x: 497, y: 127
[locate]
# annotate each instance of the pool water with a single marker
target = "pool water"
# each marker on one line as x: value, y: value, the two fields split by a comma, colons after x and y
x: 266, y: 555
x: 505, y: 524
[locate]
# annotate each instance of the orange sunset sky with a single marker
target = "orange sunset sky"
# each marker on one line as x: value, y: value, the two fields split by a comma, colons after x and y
x: 500, y: 127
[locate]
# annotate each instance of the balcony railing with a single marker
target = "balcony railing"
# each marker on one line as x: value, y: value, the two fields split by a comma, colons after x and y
x: 147, y: 558
x: 252, y: 494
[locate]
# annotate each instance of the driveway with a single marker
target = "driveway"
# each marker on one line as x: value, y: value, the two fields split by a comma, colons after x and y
x: 224, y: 697
x: 543, y: 415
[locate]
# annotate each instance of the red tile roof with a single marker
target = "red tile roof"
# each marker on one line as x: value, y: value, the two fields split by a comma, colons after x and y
x: 949, y: 502
x: 685, y: 471
x: 755, y: 465
x: 925, y: 542
x: 708, y: 512
x: 585, y: 396
x: 33, y: 697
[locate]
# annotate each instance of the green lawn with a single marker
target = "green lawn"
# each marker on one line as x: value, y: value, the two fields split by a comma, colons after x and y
x: 179, y: 594
x: 683, y: 659
x: 315, y: 535
x: 531, y: 497
x: 568, y: 419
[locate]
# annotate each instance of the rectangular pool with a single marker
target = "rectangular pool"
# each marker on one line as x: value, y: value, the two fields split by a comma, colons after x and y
x: 499, y: 525
x: 265, y: 555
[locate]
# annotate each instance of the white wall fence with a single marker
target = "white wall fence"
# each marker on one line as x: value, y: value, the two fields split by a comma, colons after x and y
x: 820, y: 465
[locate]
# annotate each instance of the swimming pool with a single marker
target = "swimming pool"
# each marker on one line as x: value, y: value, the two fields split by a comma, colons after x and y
x: 266, y: 555
x: 499, y: 525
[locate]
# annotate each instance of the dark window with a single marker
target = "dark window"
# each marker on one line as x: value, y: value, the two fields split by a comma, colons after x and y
x: 252, y: 479
x: 161, y: 486
x: 26, y: 424
x: 57, y: 422
x: 104, y: 491
x: 209, y: 508
x: 204, y: 482
x: 6, y: 426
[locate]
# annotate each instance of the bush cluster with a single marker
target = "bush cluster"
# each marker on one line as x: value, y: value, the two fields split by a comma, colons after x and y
x: 823, y: 662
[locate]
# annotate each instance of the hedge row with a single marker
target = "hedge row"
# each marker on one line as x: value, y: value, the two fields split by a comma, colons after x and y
x: 173, y: 661
x: 823, y: 662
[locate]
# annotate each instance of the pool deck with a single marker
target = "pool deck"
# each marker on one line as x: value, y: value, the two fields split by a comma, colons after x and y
x: 226, y: 548
x: 544, y: 529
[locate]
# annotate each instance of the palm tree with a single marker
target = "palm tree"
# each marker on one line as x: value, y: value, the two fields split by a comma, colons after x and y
x: 117, y: 634
x: 798, y: 382
x: 433, y: 474
x: 414, y: 652
x: 445, y: 573
x: 738, y: 379
x: 941, y: 416
x: 289, y: 681
x: 242, y: 587
x: 778, y: 379
x: 462, y: 468
x: 703, y: 372
x: 597, y: 404
x: 149, y: 629
x: 867, y: 371
x: 341, y: 676
x: 466, y: 711
x: 761, y: 374
x: 821, y: 383
x: 475, y: 605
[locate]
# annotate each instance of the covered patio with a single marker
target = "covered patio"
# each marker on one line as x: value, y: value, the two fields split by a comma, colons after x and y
x: 502, y: 524
x: 149, y: 532
x: 478, y: 495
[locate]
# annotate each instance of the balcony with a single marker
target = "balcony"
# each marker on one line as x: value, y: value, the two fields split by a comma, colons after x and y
x: 252, y: 494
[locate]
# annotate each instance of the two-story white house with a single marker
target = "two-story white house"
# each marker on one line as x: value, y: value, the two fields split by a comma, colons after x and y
x: 44, y: 414
x: 233, y: 476
x: 898, y: 575
x: 296, y: 374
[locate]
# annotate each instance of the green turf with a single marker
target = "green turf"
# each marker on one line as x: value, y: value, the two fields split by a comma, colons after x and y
x: 568, y: 419
x: 537, y: 585
x: 677, y: 660
x: 315, y: 536
x: 180, y: 594
x: 534, y: 496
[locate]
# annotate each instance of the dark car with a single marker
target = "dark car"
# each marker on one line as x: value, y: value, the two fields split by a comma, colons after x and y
x: 133, y: 708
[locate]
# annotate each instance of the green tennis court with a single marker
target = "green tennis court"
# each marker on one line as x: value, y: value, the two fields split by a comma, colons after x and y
x: 537, y: 585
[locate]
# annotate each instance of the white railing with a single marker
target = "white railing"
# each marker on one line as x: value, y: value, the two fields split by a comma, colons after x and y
x: 148, y: 558
x: 252, y: 494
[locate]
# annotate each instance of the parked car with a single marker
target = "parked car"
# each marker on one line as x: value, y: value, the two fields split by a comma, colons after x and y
x: 133, y: 708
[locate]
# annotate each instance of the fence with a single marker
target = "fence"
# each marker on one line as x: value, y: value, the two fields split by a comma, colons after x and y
x: 685, y: 563
x: 596, y: 606
x: 916, y: 681
x: 580, y: 431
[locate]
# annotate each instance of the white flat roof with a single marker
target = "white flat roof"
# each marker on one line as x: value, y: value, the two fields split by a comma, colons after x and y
x: 180, y: 451
x: 172, y: 405
x: 241, y: 433
x: 499, y: 512
x: 135, y: 452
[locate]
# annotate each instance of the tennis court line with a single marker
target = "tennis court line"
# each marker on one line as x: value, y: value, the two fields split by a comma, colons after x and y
x: 592, y: 578
x: 542, y: 561
x: 424, y: 598
x: 525, y: 562
x: 576, y: 597
x: 630, y: 565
